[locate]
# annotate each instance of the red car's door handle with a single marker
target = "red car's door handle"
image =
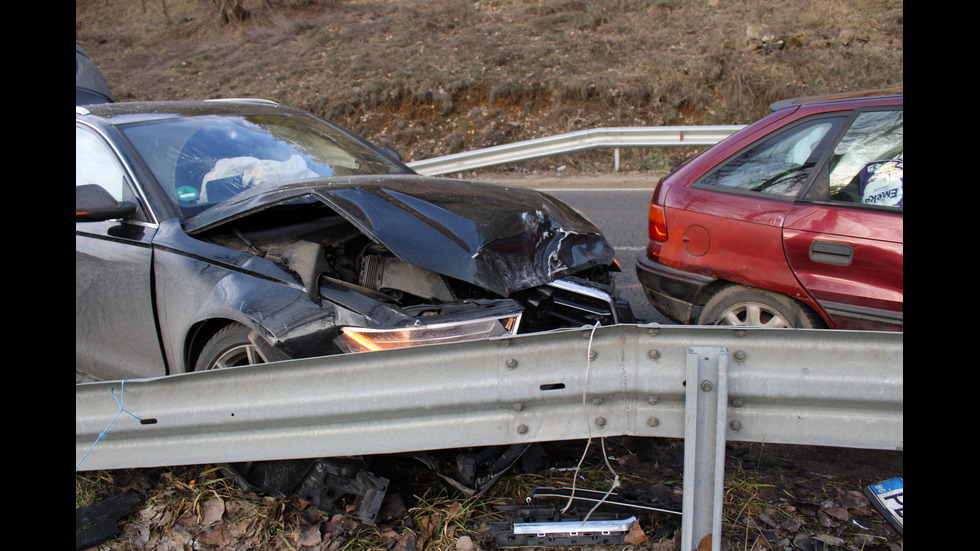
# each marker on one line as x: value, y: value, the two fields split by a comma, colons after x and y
x: 840, y: 254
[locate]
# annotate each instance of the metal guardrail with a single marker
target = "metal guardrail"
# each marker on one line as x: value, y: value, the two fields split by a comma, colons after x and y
x: 653, y: 136
x: 705, y: 384
x: 820, y: 387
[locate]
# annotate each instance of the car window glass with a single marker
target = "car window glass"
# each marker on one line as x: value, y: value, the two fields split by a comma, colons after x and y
x: 202, y: 160
x: 780, y: 165
x: 96, y: 164
x: 867, y: 164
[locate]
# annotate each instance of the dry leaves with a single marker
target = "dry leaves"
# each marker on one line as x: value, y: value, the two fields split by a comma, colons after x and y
x: 779, y: 505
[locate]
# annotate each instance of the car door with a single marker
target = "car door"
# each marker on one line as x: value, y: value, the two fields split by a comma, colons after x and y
x: 845, y: 240
x: 116, y: 333
x: 732, y: 218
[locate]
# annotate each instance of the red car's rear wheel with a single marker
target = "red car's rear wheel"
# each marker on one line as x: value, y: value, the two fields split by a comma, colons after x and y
x: 739, y: 305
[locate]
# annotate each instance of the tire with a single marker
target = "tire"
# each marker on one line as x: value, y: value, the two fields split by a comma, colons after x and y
x: 739, y: 305
x: 229, y: 347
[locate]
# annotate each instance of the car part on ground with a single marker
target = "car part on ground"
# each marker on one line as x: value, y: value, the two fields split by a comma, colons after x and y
x: 220, y: 233
x: 567, y: 516
x: 471, y: 472
x: 347, y: 485
x: 335, y: 486
x: 99, y: 522
x: 794, y: 221
x: 888, y: 496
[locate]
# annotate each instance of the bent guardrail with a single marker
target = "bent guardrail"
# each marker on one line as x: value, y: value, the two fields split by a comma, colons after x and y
x: 833, y: 388
x: 705, y: 384
x: 597, y: 138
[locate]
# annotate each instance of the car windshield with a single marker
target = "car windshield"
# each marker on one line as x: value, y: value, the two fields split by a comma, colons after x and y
x: 202, y: 160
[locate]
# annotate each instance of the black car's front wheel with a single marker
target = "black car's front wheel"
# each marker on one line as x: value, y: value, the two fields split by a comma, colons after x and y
x: 229, y: 347
x: 739, y: 305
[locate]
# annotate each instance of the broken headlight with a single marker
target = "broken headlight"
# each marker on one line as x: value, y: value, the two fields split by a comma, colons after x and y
x: 365, y: 339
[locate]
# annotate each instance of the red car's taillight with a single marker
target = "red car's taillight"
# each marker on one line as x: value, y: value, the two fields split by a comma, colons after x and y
x: 658, y: 223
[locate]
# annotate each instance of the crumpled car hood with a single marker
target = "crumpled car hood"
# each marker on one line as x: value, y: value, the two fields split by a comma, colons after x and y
x: 503, y: 239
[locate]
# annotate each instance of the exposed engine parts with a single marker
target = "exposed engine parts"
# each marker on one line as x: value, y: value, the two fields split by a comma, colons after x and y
x: 329, y: 248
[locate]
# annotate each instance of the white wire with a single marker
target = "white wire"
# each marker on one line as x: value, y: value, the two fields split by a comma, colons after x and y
x: 585, y: 391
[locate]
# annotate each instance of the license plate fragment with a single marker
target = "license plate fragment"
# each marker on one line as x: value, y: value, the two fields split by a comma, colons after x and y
x: 889, y: 498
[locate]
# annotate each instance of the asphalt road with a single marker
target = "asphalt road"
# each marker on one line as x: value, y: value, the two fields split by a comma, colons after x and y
x: 619, y: 205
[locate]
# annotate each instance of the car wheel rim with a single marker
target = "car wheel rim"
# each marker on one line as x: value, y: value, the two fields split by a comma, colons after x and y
x: 243, y: 354
x: 753, y: 314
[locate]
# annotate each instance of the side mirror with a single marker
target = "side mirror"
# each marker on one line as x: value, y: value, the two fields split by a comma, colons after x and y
x: 93, y: 203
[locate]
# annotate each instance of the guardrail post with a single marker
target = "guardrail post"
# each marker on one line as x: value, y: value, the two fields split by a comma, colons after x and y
x: 705, y: 422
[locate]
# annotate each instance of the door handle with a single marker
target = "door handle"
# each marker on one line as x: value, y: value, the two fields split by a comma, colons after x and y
x: 826, y: 252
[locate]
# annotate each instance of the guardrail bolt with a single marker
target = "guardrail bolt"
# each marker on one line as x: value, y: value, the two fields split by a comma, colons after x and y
x: 653, y: 399
x: 653, y: 421
x: 521, y: 429
x: 511, y: 363
x: 735, y: 425
x: 597, y: 401
x: 518, y: 406
x: 740, y: 356
x: 592, y: 355
x: 600, y: 422
x: 706, y: 386
x: 737, y: 403
x: 654, y: 354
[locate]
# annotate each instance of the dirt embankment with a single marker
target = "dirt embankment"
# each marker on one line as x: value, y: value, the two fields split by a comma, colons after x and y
x: 432, y: 78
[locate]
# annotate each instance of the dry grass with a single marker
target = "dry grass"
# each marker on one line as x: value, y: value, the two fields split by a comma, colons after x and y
x: 432, y: 77
x: 775, y: 496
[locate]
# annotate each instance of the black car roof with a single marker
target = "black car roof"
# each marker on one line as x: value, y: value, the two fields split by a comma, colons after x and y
x: 830, y: 98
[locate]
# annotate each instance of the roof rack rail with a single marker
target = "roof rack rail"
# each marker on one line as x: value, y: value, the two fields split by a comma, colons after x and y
x: 794, y: 102
x: 246, y: 100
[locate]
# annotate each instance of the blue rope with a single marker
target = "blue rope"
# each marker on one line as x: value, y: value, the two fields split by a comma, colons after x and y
x: 119, y: 400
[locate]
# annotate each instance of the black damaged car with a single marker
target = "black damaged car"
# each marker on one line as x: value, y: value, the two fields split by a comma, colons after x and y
x: 221, y: 233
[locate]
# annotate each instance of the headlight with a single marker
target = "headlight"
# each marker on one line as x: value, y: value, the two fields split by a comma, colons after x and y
x: 364, y: 339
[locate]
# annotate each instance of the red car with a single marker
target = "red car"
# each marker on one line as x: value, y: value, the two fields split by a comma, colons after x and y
x: 794, y: 221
